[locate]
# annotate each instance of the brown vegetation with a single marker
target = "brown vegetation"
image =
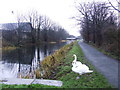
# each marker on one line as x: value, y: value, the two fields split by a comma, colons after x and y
x: 50, y: 63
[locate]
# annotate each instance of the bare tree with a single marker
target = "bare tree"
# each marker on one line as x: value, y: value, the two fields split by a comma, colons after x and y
x: 117, y: 9
x: 46, y: 26
x: 19, y: 28
x: 84, y: 10
x: 99, y: 17
x: 39, y: 23
x: 33, y: 28
x: 93, y: 20
x: 36, y: 21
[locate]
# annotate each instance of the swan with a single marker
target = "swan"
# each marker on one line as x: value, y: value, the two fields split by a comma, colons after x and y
x: 80, y: 68
x: 75, y: 62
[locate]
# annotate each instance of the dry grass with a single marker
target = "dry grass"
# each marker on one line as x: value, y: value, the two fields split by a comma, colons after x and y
x: 50, y: 63
x: 8, y: 48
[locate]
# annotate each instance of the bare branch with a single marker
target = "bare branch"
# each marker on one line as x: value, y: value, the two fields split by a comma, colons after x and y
x: 118, y: 1
x: 114, y: 6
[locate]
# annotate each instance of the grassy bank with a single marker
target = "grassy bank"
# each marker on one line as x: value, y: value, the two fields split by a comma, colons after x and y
x: 65, y: 74
x: 32, y: 86
x: 112, y: 55
x: 58, y: 66
x: 7, y: 46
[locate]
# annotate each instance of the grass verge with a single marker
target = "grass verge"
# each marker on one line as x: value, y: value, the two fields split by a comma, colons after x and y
x: 62, y: 71
x: 105, y: 52
x: 28, y: 86
x: 65, y: 74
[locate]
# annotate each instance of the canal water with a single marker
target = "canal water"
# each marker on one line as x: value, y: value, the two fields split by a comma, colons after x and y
x: 23, y: 61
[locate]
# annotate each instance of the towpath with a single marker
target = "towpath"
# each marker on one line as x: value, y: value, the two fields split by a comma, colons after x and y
x: 104, y: 64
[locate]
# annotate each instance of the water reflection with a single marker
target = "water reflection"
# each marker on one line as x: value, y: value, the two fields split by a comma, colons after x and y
x: 23, y: 61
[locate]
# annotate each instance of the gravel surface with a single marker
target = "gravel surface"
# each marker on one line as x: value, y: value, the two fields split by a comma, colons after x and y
x: 104, y: 64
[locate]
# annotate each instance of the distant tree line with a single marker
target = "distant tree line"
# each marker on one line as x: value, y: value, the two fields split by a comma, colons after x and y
x: 100, y: 26
x: 33, y: 28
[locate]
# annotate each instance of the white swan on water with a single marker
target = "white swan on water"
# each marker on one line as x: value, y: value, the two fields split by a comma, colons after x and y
x: 80, y: 68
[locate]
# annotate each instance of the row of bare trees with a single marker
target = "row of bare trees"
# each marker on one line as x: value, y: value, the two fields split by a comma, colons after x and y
x: 41, y: 29
x: 99, y: 25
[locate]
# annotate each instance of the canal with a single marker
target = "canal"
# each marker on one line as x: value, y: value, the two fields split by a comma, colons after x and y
x: 22, y: 61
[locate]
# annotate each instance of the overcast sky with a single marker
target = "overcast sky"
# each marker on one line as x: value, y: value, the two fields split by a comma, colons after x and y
x: 59, y: 11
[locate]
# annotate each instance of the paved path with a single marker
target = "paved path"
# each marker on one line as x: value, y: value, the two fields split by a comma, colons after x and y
x: 18, y: 81
x: 104, y: 64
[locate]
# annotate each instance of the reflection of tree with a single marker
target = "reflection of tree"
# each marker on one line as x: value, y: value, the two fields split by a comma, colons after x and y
x: 19, y: 62
x: 35, y: 62
x: 32, y: 55
x: 28, y: 58
x: 23, y: 56
x: 38, y: 53
x: 38, y: 57
x: 45, y: 50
